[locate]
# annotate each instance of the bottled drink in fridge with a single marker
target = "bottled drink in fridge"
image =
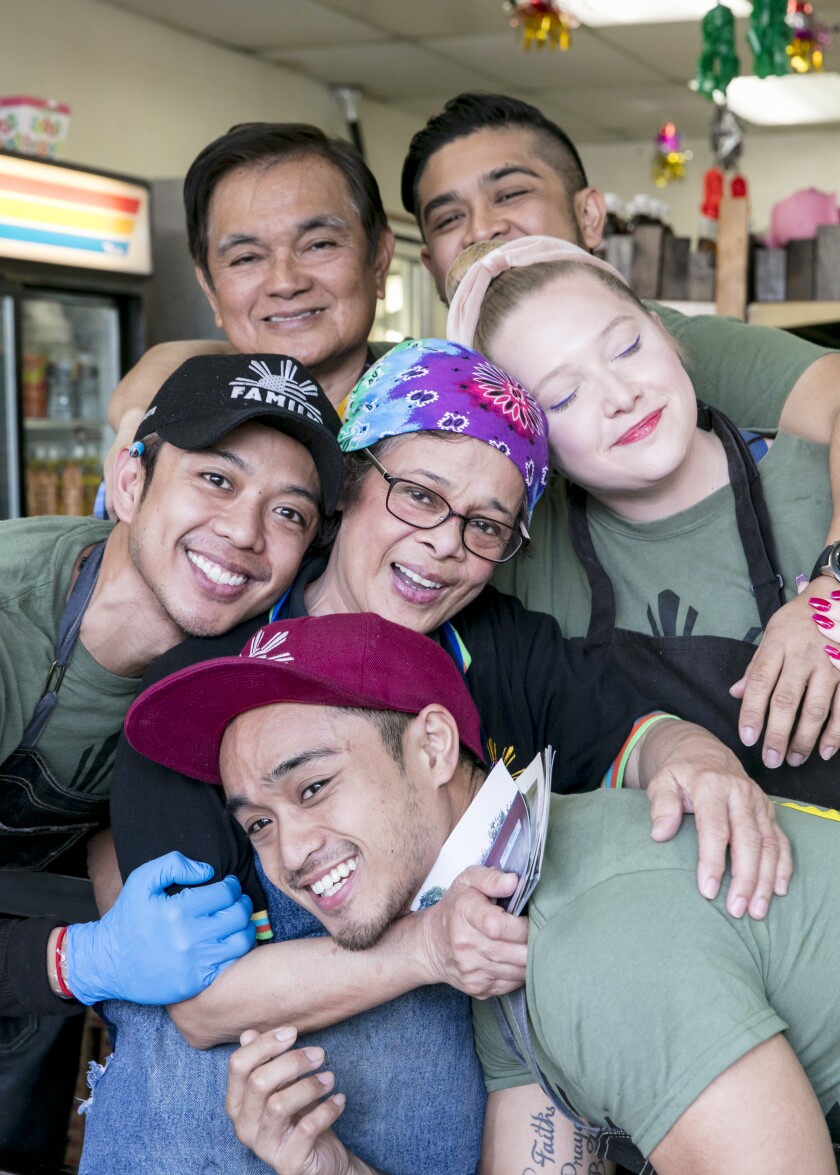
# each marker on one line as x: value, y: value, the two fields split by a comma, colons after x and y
x: 62, y: 385
x: 72, y: 488
x: 34, y: 384
x: 90, y: 407
x: 42, y: 481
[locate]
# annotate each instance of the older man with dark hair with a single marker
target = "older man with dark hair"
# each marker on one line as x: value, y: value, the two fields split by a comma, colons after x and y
x: 291, y: 246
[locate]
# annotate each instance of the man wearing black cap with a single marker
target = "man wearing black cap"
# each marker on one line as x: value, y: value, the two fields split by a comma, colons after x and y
x: 233, y: 469
x: 350, y: 752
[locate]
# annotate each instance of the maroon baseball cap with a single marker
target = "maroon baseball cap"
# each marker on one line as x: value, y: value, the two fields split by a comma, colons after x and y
x: 347, y: 659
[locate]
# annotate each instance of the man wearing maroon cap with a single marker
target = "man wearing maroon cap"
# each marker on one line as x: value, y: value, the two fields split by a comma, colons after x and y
x: 349, y: 750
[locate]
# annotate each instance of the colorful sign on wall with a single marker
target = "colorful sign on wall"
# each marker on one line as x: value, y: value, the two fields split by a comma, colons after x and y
x: 63, y: 216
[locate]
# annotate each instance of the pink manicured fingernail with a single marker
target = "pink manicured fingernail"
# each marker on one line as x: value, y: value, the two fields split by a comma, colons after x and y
x: 818, y: 602
x: 823, y: 622
x: 835, y: 595
x: 832, y: 652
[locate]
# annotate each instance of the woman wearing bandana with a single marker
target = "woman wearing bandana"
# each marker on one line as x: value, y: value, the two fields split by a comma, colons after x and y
x: 447, y: 457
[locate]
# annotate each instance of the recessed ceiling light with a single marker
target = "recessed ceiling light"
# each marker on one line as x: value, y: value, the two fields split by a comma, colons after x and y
x: 606, y: 12
x: 793, y: 100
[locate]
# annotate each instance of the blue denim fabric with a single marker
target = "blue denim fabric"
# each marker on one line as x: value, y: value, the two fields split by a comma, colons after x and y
x: 415, y: 1095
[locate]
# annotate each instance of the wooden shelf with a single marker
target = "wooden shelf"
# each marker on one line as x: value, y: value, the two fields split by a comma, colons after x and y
x: 688, y: 308
x: 790, y: 315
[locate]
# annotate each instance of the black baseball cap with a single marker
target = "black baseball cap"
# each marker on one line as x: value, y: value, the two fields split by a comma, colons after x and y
x: 210, y: 395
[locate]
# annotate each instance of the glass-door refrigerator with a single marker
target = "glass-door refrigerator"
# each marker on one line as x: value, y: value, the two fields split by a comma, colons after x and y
x: 75, y: 255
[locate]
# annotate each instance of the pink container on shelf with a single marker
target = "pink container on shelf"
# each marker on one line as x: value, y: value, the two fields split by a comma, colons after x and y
x: 798, y: 216
x: 33, y: 126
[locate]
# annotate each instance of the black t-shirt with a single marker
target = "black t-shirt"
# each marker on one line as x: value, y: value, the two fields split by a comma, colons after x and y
x: 532, y: 689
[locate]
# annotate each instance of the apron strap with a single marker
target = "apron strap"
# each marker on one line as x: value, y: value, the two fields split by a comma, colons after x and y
x: 68, y: 631
x: 751, y: 513
x: 754, y: 528
x: 602, y: 608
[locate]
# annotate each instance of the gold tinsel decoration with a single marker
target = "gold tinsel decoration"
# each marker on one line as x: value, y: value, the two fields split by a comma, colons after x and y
x: 543, y: 22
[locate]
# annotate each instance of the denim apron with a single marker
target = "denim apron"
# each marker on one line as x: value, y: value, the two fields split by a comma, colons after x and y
x: 39, y: 820
x: 415, y: 1093
x: 691, y: 675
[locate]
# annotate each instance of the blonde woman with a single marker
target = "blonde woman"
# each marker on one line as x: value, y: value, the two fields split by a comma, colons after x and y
x: 673, y: 540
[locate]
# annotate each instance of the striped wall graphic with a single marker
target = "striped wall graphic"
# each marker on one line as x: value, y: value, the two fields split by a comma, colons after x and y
x: 69, y: 217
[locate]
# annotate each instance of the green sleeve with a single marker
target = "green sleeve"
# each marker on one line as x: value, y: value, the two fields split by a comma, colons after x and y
x: 501, y: 1068
x: 379, y: 347
x: 641, y: 1019
x: 747, y: 372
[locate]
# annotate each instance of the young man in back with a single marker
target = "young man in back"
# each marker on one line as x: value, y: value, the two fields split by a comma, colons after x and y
x: 491, y: 167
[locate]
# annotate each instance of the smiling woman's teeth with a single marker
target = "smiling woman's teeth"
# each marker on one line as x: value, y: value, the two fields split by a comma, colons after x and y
x: 418, y: 579
x: 332, y: 882
x: 215, y: 572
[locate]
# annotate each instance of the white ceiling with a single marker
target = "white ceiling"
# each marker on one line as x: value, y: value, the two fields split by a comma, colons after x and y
x: 615, y: 84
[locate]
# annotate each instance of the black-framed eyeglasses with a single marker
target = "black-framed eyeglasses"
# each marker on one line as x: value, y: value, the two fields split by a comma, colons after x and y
x: 425, y: 508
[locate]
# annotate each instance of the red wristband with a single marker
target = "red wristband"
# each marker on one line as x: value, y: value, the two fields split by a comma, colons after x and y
x: 65, y: 990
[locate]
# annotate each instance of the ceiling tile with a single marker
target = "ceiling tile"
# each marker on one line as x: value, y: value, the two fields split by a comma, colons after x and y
x: 503, y: 58
x: 260, y: 24
x: 391, y: 70
x: 634, y: 111
x: 616, y: 83
x: 426, y: 18
x: 669, y: 49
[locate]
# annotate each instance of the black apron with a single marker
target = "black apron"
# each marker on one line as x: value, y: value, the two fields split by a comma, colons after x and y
x: 691, y: 675
x: 39, y: 818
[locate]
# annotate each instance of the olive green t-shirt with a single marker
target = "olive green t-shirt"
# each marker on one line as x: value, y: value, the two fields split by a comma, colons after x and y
x: 748, y: 374
x: 37, y: 556
x: 685, y: 575
x: 640, y: 991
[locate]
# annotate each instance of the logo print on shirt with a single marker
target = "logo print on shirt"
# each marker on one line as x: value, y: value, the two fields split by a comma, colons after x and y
x: 283, y: 389
x: 265, y: 651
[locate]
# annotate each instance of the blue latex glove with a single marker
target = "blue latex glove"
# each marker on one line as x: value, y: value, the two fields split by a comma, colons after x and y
x: 158, y: 948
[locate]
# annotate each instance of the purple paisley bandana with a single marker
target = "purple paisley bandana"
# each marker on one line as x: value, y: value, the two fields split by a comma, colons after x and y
x: 430, y: 385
